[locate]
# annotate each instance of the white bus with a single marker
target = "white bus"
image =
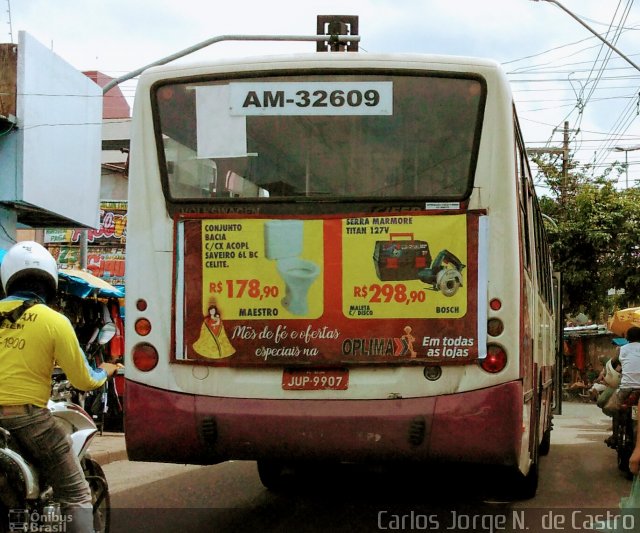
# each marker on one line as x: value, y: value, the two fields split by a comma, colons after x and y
x: 336, y: 256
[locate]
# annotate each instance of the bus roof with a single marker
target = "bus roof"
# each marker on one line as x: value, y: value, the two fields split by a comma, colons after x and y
x: 325, y: 60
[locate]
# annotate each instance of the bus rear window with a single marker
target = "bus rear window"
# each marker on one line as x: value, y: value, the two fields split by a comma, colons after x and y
x: 325, y: 136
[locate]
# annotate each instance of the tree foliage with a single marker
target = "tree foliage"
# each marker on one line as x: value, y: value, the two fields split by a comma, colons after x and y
x: 595, y: 239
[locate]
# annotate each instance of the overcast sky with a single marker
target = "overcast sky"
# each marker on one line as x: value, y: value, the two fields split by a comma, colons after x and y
x: 555, y: 64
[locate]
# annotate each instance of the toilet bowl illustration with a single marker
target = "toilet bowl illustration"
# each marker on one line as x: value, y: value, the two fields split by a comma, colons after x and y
x: 283, y: 240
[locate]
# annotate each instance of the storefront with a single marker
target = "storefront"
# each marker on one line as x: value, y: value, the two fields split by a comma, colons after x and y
x: 584, y: 349
x: 105, y: 246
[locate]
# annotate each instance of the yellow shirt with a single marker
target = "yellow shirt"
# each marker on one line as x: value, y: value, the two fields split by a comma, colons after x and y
x: 30, y: 348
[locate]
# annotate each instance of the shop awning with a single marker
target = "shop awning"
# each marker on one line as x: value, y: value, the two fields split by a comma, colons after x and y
x: 84, y: 285
x: 623, y: 319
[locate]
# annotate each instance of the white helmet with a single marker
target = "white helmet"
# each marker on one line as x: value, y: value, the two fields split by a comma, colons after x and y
x: 28, y: 260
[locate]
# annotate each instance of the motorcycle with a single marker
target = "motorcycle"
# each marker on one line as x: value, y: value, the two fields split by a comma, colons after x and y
x: 625, y: 418
x: 103, y: 404
x: 626, y: 431
x: 27, y: 502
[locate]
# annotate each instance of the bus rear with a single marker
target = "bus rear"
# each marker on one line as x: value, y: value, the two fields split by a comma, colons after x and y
x: 316, y: 244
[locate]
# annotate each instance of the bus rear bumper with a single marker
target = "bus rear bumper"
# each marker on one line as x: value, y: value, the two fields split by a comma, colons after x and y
x: 483, y: 426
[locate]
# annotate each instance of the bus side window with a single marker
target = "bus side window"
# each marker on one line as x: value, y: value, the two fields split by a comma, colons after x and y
x: 523, y: 193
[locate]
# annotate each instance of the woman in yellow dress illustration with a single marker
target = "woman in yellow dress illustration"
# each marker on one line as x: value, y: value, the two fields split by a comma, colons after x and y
x: 213, y: 341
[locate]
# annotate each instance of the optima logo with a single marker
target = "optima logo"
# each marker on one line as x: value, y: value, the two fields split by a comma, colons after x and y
x: 383, y: 347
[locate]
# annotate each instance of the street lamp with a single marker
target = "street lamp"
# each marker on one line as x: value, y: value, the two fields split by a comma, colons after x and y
x: 592, y: 31
x: 626, y: 150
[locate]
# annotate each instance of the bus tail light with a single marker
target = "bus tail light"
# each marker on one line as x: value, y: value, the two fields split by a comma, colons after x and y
x: 496, y: 359
x: 495, y: 327
x: 142, y: 327
x: 145, y: 357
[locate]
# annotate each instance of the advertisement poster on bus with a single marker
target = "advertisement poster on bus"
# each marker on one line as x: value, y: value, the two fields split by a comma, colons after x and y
x: 331, y: 290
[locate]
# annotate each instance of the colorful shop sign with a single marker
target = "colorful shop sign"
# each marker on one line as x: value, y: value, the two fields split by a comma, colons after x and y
x: 106, y: 250
x: 331, y: 290
x: 112, y: 230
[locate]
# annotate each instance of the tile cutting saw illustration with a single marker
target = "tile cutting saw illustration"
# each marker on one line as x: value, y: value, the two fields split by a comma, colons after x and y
x: 403, y: 257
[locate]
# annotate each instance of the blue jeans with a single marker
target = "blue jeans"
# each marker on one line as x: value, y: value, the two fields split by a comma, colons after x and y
x: 49, y: 447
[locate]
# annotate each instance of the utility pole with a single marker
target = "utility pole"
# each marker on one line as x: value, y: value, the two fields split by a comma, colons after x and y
x: 564, y: 151
x: 626, y: 150
x: 565, y: 156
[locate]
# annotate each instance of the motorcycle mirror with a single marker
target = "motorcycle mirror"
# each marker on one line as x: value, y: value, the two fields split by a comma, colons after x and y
x: 107, y: 332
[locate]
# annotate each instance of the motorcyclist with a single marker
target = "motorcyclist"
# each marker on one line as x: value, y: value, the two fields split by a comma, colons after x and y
x: 30, y: 345
x: 629, y: 357
x: 634, y: 460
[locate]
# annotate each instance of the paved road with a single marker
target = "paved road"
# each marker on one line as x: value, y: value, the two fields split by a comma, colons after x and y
x: 580, y: 474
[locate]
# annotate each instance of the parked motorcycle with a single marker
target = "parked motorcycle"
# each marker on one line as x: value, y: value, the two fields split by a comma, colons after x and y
x: 103, y: 404
x: 27, y: 503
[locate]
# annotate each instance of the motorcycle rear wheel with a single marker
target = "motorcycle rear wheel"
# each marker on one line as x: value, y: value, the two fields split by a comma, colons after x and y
x: 626, y: 440
x: 99, y: 495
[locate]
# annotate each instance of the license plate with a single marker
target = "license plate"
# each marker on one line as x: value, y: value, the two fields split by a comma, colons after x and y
x: 330, y: 379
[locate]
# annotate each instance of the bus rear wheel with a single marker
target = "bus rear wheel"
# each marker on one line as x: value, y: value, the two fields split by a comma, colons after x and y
x: 271, y: 474
x: 545, y: 445
x: 527, y: 485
